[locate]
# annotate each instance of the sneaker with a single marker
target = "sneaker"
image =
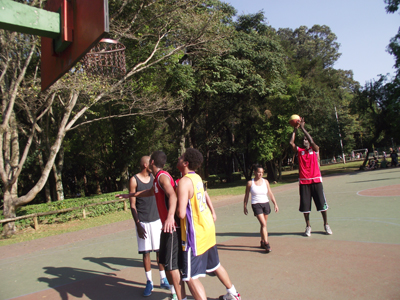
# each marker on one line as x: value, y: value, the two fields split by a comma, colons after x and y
x: 172, y: 297
x: 328, y: 230
x: 164, y: 284
x: 267, y: 247
x: 230, y: 296
x: 148, y: 289
x: 308, y: 231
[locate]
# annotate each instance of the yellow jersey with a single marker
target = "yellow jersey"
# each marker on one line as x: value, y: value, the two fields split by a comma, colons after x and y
x: 198, y: 229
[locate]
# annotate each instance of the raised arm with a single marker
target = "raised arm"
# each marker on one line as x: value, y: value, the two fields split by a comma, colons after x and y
x: 308, y: 136
x: 292, y: 138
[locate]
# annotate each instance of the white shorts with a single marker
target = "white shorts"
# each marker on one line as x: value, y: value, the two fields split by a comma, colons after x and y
x: 152, y: 241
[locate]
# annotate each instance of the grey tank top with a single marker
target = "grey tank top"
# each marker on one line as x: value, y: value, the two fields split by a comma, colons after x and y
x: 147, y: 206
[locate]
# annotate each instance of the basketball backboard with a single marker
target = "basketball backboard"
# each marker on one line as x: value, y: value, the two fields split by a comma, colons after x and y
x: 83, y: 24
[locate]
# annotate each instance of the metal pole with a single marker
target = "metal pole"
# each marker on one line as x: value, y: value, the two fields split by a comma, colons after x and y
x: 340, y: 136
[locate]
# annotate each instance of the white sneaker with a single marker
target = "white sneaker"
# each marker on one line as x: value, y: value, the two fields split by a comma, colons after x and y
x: 308, y: 231
x: 230, y: 296
x: 328, y: 229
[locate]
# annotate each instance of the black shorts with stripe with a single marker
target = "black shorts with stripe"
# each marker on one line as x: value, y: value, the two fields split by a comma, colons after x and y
x: 170, y: 253
x: 315, y: 191
x: 197, y: 266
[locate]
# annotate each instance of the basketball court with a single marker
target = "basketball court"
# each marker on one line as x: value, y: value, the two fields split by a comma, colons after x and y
x: 361, y: 260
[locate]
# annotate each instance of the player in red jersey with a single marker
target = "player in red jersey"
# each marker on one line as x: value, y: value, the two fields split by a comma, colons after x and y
x: 310, y: 178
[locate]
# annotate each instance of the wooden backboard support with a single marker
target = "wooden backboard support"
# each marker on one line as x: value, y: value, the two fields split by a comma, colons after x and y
x: 83, y: 24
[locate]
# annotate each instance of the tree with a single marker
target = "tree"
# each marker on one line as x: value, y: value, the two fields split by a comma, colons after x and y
x: 153, y: 32
x: 232, y: 89
x: 377, y: 104
x: 315, y: 88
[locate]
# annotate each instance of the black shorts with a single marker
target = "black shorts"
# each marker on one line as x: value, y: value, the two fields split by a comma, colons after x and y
x: 170, y: 254
x: 261, y: 208
x: 197, y: 266
x: 316, y: 191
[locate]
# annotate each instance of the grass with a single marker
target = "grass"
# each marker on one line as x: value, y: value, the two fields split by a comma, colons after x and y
x: 46, y: 230
x: 217, y: 191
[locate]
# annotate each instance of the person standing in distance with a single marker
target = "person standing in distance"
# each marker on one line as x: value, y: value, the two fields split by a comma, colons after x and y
x: 261, y: 194
x: 148, y: 223
x: 310, y: 178
x: 170, y: 240
x: 200, y: 254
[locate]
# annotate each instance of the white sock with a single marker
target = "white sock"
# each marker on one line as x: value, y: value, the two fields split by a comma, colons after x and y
x: 162, y: 274
x: 148, y: 276
x: 232, y: 290
x: 172, y: 289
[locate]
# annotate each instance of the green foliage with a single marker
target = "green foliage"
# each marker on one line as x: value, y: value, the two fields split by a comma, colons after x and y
x: 212, y: 179
x: 378, y: 107
x: 392, y: 5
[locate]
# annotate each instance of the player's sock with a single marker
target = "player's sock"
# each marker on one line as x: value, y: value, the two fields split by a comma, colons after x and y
x: 148, y: 276
x: 162, y: 274
x: 232, y: 290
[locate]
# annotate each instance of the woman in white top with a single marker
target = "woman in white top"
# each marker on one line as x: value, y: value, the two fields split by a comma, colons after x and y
x: 261, y: 194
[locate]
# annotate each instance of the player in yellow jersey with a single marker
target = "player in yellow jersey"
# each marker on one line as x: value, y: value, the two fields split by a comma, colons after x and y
x: 200, y: 254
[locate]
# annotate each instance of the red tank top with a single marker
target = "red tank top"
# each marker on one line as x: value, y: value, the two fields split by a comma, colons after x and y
x: 162, y: 198
x: 308, y: 166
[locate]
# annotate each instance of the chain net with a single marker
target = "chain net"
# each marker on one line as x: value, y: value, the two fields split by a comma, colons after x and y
x: 107, y: 59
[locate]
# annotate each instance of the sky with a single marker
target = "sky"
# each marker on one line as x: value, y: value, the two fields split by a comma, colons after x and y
x: 363, y: 28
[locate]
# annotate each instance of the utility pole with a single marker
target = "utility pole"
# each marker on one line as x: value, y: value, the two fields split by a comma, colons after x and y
x: 340, y: 136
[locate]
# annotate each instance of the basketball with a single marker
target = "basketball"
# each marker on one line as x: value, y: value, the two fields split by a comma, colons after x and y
x: 294, y: 120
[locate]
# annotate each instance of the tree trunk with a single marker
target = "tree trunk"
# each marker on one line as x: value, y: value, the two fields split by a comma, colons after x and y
x: 11, y: 191
x: 9, y: 211
x: 47, y: 185
x: 271, y: 171
x: 279, y: 170
x: 12, y: 154
x: 182, y: 142
x: 57, y: 172
x: 47, y: 191
x: 365, y: 160
x: 124, y: 179
x: 10, y: 150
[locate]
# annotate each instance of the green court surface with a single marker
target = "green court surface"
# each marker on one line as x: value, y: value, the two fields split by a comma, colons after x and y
x: 361, y: 260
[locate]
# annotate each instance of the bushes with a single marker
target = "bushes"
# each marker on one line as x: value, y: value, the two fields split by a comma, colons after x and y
x: 236, y: 176
x: 84, y: 202
x: 212, y: 179
x: 220, y: 178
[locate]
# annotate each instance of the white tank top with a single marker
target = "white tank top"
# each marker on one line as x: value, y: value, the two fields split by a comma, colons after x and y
x: 259, y: 193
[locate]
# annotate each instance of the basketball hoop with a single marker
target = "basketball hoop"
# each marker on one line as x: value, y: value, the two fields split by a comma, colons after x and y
x: 107, y: 58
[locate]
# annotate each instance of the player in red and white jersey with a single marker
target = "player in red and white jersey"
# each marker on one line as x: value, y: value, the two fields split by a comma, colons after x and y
x: 170, y: 253
x: 310, y: 178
